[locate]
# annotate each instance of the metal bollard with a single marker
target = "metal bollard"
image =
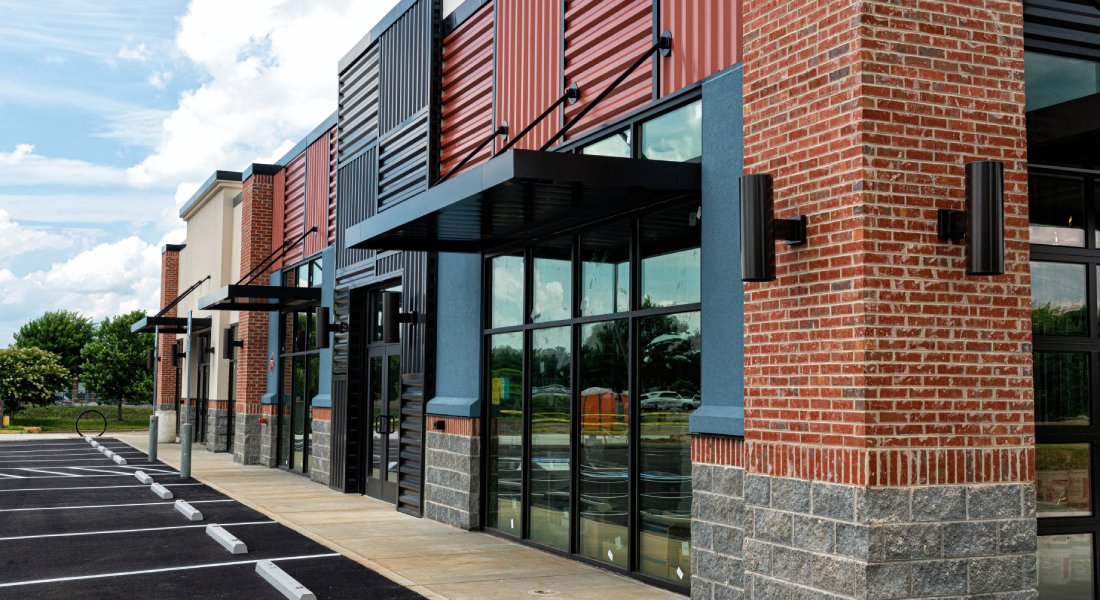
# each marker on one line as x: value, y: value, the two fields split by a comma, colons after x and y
x: 185, y: 450
x: 154, y: 422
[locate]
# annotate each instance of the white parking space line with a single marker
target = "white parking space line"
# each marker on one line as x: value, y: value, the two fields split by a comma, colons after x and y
x: 3, y: 510
x: 50, y: 460
x: 10, y: 476
x: 111, y: 531
x: 166, y: 569
x: 88, y: 450
x: 92, y: 487
x: 48, y: 472
x: 89, y: 476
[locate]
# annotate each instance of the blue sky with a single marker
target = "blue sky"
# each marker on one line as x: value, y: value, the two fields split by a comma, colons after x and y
x: 112, y: 114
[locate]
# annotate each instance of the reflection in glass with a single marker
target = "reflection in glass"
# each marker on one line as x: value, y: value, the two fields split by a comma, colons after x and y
x: 286, y: 395
x: 1057, y: 212
x: 676, y: 135
x: 507, y: 286
x: 669, y: 358
x: 605, y: 272
x: 1065, y: 566
x: 1063, y: 476
x: 312, y: 389
x: 298, y: 413
x: 376, y: 439
x: 1057, y: 298
x: 505, y: 433
x: 1061, y: 388
x: 671, y: 257
x: 616, y: 144
x: 553, y: 283
x: 604, y: 448
x: 1051, y: 79
x: 393, y: 415
x: 551, y: 379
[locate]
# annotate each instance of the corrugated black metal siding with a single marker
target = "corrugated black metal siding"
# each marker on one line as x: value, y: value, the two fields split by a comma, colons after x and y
x: 1062, y: 27
x: 338, y: 475
x: 358, y: 108
x: 356, y: 190
x: 406, y: 79
x: 403, y: 161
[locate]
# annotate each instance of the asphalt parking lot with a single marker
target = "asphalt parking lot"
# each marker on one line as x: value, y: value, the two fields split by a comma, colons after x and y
x: 76, y: 524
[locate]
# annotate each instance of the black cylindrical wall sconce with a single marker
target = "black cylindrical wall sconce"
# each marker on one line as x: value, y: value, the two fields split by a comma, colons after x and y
x: 391, y: 309
x: 760, y: 228
x: 983, y: 221
x: 229, y: 343
x: 324, y: 326
x: 151, y: 359
x: 177, y: 354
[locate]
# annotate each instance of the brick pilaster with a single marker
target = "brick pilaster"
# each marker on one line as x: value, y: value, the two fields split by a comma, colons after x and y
x: 257, y: 200
x: 874, y: 364
x: 166, y: 373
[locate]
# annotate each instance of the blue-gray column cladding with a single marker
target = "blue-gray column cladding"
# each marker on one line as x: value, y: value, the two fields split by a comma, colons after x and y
x: 458, y: 337
x: 723, y: 363
x: 272, y: 395
x: 323, y: 398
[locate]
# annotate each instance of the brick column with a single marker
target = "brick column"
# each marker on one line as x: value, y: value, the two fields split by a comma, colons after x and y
x: 166, y: 373
x: 257, y: 199
x: 889, y: 436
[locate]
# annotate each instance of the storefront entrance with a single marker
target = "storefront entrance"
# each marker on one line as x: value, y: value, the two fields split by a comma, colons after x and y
x: 202, y: 387
x: 383, y: 414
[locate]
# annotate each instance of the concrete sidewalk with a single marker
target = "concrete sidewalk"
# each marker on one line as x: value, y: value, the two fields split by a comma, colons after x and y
x: 431, y: 558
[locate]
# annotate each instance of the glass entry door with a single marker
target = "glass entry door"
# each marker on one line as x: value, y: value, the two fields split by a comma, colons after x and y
x: 202, y: 398
x: 383, y: 420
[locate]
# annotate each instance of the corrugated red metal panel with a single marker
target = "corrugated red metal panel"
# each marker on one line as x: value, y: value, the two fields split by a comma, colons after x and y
x: 529, y: 76
x: 317, y: 186
x: 294, y: 210
x: 467, y: 90
x: 706, y: 38
x: 333, y: 153
x: 278, y: 210
x: 602, y: 39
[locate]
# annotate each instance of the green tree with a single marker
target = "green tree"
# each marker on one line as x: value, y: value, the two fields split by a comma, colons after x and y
x: 62, y: 332
x: 29, y: 375
x: 114, y: 362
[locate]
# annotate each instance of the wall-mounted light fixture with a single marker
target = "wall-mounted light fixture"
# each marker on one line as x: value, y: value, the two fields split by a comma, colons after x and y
x: 177, y: 354
x: 229, y: 344
x: 760, y: 228
x: 392, y: 317
x: 983, y: 221
x: 151, y: 359
x: 325, y: 326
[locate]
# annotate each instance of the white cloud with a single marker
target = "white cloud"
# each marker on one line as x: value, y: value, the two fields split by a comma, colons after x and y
x: 22, y: 166
x: 159, y: 79
x: 16, y: 240
x: 134, y: 52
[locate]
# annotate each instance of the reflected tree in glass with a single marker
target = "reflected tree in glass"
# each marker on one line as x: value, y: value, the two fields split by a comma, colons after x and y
x: 1057, y: 298
x: 505, y: 464
x: 551, y: 380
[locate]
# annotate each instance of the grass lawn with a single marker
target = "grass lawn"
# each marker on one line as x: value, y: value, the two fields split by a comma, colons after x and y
x: 61, y: 419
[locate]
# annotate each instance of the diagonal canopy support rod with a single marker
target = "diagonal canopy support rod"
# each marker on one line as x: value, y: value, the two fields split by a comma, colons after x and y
x: 663, y: 44
x: 179, y: 298
x: 502, y: 130
x: 278, y: 253
x: 571, y: 94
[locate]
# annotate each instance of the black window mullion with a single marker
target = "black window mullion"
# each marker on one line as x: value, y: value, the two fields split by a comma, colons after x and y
x: 525, y: 406
x: 574, y: 404
x: 634, y: 422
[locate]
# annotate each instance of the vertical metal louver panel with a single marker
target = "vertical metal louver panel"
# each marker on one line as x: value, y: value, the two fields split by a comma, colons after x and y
x: 602, y: 39
x: 403, y: 161
x: 416, y: 380
x: 467, y: 97
x: 338, y: 475
x: 333, y: 146
x: 406, y: 65
x: 706, y: 38
x: 294, y: 207
x: 317, y: 178
x: 356, y: 191
x: 358, y: 108
x: 529, y: 70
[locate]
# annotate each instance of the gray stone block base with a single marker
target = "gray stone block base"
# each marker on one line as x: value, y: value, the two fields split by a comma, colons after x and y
x: 246, y: 439
x: 320, y: 455
x: 217, y: 428
x: 269, y: 441
x: 717, y: 531
x: 818, y: 540
x: 452, y: 484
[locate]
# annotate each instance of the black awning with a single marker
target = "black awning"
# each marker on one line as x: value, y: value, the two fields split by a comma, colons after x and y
x: 524, y: 194
x: 269, y: 298
x: 169, y: 325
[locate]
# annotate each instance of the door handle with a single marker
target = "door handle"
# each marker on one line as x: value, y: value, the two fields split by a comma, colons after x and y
x: 378, y: 424
x: 394, y: 423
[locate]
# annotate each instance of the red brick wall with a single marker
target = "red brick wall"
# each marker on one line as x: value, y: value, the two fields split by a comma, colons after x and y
x: 257, y: 204
x: 169, y: 289
x: 873, y: 359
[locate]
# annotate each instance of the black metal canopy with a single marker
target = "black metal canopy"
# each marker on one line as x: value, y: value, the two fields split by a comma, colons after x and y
x: 169, y: 325
x: 270, y: 298
x: 524, y: 194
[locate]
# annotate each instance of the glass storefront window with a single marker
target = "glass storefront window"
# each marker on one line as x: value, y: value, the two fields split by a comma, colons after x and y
x: 506, y: 433
x: 1057, y: 298
x: 507, y: 291
x: 616, y: 145
x: 550, y: 468
x: 676, y: 135
x: 553, y: 273
x: 669, y: 386
x: 671, y: 257
x: 604, y: 492
x: 1061, y: 388
x: 1065, y: 566
x: 1051, y: 79
x: 605, y: 271
x: 1057, y: 210
x: 1063, y: 480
